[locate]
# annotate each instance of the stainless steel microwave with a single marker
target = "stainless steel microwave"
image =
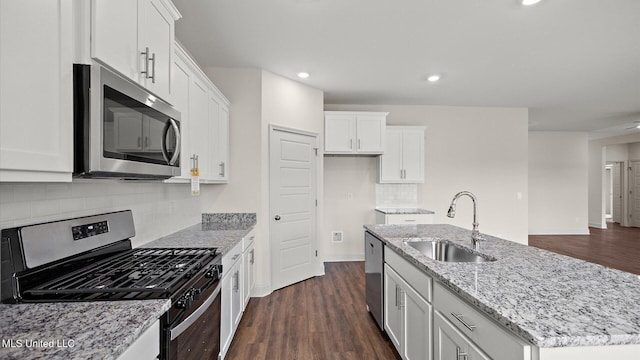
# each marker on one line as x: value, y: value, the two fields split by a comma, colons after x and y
x: 120, y: 129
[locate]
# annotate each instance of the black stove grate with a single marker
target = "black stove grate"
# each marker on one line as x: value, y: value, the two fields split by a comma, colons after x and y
x: 134, y: 274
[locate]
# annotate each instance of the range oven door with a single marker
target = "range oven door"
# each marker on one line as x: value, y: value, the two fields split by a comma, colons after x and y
x: 196, y: 333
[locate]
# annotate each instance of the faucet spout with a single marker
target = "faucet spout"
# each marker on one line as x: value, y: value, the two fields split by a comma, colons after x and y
x: 475, y: 233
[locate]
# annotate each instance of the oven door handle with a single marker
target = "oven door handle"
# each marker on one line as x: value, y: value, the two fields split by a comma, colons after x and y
x: 184, y: 325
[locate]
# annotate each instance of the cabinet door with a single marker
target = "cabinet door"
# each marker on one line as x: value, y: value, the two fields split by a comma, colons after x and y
x: 413, y: 155
x: 237, y: 302
x: 449, y: 343
x: 156, y: 29
x: 248, y: 260
x: 199, y: 126
x: 114, y: 35
x: 339, y: 134
x: 391, y: 161
x: 417, y: 326
x: 214, y: 162
x: 180, y: 94
x: 392, y: 309
x: 36, y: 99
x: 226, y: 315
x: 370, y: 134
x: 223, y: 142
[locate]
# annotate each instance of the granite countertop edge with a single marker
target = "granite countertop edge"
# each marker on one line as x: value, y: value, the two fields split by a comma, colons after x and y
x: 430, y: 267
x: 403, y: 211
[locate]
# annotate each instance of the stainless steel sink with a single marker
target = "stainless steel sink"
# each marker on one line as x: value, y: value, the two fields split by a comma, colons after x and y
x: 443, y: 250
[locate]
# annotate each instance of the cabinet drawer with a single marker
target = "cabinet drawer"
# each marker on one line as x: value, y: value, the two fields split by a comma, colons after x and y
x: 492, y: 338
x: 231, y: 258
x: 410, y: 219
x: 420, y: 281
x: 247, y: 240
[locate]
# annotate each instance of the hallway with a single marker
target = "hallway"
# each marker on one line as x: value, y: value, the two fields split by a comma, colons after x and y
x: 616, y: 247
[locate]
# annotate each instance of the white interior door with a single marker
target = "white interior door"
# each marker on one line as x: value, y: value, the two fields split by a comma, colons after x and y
x: 616, y: 179
x: 634, y: 194
x: 292, y: 197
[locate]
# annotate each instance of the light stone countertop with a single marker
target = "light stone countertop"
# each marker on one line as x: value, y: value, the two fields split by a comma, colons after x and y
x: 549, y: 299
x: 77, y: 330
x: 403, y: 211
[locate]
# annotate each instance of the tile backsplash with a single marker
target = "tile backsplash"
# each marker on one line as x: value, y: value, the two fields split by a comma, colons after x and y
x: 396, y: 195
x: 158, y: 209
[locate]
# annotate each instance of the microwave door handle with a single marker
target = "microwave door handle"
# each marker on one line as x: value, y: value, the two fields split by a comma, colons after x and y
x: 176, y: 153
x: 165, y: 153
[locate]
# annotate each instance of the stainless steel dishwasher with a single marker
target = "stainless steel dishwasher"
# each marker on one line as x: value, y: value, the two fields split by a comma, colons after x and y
x: 373, y: 267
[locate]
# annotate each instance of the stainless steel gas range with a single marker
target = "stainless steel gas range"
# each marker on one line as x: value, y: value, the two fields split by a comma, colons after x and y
x: 91, y: 259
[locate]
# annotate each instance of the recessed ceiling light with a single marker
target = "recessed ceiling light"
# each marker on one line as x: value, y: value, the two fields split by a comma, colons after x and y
x: 637, y: 126
x: 433, y: 78
x: 530, y: 2
x: 303, y: 75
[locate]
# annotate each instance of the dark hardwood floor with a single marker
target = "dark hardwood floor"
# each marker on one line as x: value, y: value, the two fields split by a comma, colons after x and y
x: 616, y: 247
x: 321, y: 318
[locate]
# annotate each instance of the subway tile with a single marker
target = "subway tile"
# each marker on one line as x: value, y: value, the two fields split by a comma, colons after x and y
x: 6, y: 193
x: 29, y: 192
x: 58, y: 191
x: 72, y: 205
x: 43, y: 208
x: 14, y: 211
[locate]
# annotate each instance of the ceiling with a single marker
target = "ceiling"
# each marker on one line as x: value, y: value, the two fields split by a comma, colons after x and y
x: 574, y: 63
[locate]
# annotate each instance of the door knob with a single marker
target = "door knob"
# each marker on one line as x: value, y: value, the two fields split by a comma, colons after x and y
x: 277, y: 217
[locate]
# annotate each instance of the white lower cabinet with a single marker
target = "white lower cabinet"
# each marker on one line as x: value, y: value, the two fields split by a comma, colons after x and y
x: 398, y: 219
x: 146, y: 347
x: 450, y: 344
x: 407, y: 317
x: 232, y: 305
x: 249, y: 263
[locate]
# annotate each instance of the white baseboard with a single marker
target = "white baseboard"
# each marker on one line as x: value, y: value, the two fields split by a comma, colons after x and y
x: 597, y: 225
x: 559, y: 232
x: 344, y: 257
x: 261, y: 290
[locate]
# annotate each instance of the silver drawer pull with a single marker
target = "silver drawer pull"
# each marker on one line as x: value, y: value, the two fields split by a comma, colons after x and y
x: 235, y: 256
x: 459, y: 318
x: 410, y: 220
x: 460, y: 355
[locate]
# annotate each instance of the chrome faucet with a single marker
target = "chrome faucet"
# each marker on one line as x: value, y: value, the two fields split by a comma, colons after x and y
x: 475, y: 234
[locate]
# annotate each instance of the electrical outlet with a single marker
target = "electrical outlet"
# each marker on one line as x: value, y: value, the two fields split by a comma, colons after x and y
x: 349, y: 196
x: 336, y: 236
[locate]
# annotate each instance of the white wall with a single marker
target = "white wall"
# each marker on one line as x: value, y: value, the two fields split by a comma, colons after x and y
x: 158, y: 209
x: 259, y: 98
x: 634, y: 151
x: 483, y: 150
x: 558, y: 187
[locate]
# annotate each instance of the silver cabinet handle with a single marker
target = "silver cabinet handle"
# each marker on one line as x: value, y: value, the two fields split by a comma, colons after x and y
x: 153, y: 67
x: 145, y: 53
x: 252, y: 261
x: 146, y: 141
x: 139, y: 141
x: 461, y: 355
x: 235, y: 257
x: 358, y: 144
x: 350, y: 144
x: 236, y: 281
x: 410, y: 220
x: 467, y: 325
x: 397, y: 295
x: 221, y: 168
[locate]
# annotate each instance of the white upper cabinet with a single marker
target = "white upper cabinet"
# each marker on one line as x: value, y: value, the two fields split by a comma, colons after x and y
x: 136, y: 39
x: 204, y: 121
x: 36, y: 92
x: 354, y: 132
x: 403, y: 159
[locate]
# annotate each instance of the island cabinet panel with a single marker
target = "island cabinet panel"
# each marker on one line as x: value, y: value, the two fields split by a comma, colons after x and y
x: 490, y: 337
x: 407, y: 310
x: 146, y: 347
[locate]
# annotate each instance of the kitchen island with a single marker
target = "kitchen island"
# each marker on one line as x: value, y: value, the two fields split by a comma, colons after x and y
x: 560, y: 305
